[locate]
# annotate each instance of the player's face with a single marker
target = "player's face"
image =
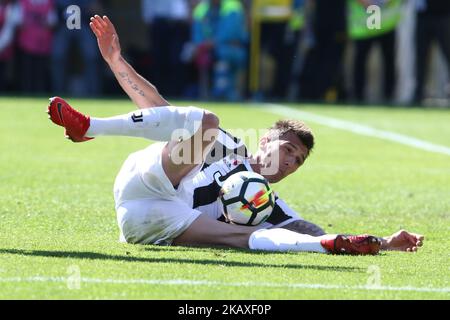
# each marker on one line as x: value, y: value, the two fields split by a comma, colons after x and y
x: 282, y: 157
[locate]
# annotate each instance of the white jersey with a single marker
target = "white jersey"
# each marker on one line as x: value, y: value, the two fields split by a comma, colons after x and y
x: 206, y: 184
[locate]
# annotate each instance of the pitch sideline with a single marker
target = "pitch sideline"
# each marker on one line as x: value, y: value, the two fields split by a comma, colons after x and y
x: 185, y: 282
x: 355, y: 128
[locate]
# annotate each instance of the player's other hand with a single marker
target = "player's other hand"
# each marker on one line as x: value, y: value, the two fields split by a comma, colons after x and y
x: 403, y: 241
x: 107, y: 38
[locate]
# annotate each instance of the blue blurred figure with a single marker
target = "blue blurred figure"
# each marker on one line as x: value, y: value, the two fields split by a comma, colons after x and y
x: 220, y: 36
x: 66, y: 38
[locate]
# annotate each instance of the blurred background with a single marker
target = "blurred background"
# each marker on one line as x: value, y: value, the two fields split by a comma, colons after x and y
x: 326, y: 51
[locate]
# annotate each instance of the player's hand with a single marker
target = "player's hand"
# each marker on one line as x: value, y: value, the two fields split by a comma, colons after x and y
x: 403, y: 241
x: 107, y: 38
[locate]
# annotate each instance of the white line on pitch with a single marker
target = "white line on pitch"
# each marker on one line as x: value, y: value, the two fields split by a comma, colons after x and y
x: 185, y: 282
x: 356, y: 128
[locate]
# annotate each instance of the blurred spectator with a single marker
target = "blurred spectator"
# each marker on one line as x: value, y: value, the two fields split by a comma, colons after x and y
x: 168, y: 29
x: 299, y: 38
x: 433, y: 24
x: 322, y: 74
x: 276, y: 42
x: 9, y: 19
x: 405, y: 55
x: 35, y: 37
x: 364, y: 39
x: 83, y: 42
x: 220, y: 36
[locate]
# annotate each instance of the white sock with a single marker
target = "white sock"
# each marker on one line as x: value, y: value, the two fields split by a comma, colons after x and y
x: 279, y: 239
x: 159, y: 124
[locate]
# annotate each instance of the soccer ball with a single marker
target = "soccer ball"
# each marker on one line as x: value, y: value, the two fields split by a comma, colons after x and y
x: 247, y: 198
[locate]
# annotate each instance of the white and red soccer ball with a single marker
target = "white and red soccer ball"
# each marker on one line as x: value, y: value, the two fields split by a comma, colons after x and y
x: 247, y: 198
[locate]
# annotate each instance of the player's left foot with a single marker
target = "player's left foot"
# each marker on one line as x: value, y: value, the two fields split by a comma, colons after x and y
x: 361, y: 244
x: 76, y: 123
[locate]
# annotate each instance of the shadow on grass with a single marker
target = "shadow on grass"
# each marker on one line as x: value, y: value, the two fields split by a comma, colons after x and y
x: 206, y: 262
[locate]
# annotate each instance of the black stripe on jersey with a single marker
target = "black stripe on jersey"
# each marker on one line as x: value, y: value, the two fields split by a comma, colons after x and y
x: 206, y: 195
x: 219, y: 150
x: 235, y: 139
x: 209, y: 194
x: 205, y: 165
x: 277, y: 216
x: 241, y: 150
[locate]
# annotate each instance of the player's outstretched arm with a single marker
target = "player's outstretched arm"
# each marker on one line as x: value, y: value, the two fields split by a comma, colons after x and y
x: 305, y: 227
x: 402, y: 241
x: 142, y: 92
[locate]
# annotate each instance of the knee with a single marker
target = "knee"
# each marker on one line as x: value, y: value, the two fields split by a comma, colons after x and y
x: 210, y: 121
x: 132, y: 234
x: 130, y: 238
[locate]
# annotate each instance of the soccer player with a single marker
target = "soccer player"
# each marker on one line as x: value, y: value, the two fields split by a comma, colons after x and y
x: 168, y: 192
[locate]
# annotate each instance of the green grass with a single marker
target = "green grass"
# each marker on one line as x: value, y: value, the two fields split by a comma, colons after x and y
x: 57, y: 212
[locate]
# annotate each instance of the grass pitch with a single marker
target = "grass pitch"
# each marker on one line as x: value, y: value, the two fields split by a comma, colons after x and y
x: 58, y: 226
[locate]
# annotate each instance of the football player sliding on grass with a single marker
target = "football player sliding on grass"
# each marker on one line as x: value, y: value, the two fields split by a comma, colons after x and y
x: 168, y: 193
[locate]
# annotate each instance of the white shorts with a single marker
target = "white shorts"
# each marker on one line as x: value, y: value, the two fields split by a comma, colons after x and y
x: 149, y: 209
x: 149, y: 221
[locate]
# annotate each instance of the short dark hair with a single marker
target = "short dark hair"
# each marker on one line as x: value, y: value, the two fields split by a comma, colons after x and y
x: 303, y: 132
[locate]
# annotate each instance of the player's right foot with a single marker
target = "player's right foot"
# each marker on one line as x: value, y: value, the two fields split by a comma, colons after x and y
x: 76, y: 123
x: 362, y: 244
